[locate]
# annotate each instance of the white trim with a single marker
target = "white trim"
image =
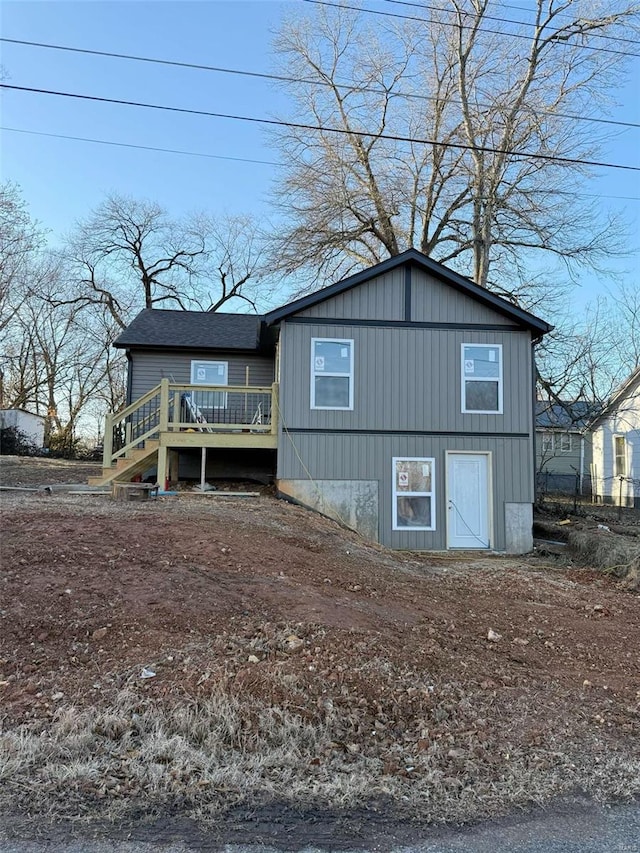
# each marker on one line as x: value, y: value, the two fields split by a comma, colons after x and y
x: 464, y: 379
x: 344, y: 341
x: 395, y: 494
x: 625, y: 446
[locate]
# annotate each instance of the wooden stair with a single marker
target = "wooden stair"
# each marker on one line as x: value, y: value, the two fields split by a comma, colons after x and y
x: 126, y: 467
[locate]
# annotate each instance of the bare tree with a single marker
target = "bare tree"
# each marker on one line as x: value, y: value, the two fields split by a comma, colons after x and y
x: 57, y: 359
x: 414, y: 135
x: 130, y: 254
x: 20, y: 242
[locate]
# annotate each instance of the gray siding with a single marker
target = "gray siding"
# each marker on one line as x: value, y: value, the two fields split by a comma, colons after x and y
x: 435, y: 302
x: 369, y: 457
x: 557, y: 469
x: 382, y: 298
x: 405, y: 379
x: 148, y: 367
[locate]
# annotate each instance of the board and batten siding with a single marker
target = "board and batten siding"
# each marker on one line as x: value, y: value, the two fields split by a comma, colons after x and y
x: 405, y: 379
x: 148, y: 367
x: 369, y: 457
x: 382, y: 298
x: 435, y: 302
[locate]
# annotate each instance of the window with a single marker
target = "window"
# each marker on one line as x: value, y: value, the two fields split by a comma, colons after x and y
x: 413, y: 494
x: 620, y: 451
x: 547, y: 442
x: 566, y: 442
x: 209, y: 373
x: 331, y: 374
x: 482, y: 378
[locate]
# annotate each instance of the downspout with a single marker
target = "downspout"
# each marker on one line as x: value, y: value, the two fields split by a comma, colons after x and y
x: 581, y: 460
x: 129, y: 377
x: 533, y: 418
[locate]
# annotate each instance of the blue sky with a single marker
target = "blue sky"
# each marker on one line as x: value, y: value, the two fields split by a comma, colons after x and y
x: 62, y: 180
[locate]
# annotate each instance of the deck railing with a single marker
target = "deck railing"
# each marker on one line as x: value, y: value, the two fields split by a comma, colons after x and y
x: 176, y: 407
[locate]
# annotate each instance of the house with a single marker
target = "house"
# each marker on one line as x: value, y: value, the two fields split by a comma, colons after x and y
x: 563, y: 446
x: 29, y: 424
x: 398, y: 401
x: 615, y: 432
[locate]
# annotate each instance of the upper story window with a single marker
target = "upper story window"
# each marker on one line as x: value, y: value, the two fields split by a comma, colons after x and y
x: 331, y: 373
x: 546, y: 443
x: 565, y: 440
x: 482, y: 378
x: 562, y: 442
x: 620, y: 451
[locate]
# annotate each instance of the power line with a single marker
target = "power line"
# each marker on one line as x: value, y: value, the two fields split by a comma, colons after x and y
x: 337, y: 130
x: 485, y: 17
x: 258, y: 162
x: 561, y: 43
x: 280, y: 78
x: 141, y: 147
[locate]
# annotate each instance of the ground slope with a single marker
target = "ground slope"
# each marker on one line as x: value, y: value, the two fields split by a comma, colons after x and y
x: 198, y: 654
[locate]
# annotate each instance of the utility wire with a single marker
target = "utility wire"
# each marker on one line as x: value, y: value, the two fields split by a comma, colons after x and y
x: 561, y: 42
x: 141, y: 147
x: 280, y: 78
x: 259, y: 162
x: 549, y: 158
x: 485, y: 17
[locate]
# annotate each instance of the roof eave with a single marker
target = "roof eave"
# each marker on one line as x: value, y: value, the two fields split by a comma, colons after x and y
x: 412, y: 256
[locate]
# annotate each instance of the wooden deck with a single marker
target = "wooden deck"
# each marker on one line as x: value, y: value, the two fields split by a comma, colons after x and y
x: 174, y: 416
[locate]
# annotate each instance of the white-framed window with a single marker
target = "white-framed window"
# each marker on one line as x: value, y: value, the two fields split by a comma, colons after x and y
x: 566, y: 442
x: 413, y: 493
x: 210, y: 373
x: 331, y: 373
x: 547, y: 442
x: 482, y: 379
x: 620, y: 456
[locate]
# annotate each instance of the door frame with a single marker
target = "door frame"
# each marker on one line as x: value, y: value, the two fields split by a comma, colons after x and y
x: 490, y: 513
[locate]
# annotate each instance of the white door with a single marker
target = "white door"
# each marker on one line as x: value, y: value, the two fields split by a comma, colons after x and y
x: 468, y: 500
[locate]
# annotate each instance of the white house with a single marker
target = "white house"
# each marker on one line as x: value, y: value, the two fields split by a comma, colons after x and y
x: 615, y: 469
x: 30, y: 425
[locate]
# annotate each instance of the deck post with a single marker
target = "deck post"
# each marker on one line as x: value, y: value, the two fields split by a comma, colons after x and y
x: 176, y: 407
x: 162, y: 468
x: 164, y: 406
x: 174, y: 462
x: 107, y: 443
x: 274, y: 408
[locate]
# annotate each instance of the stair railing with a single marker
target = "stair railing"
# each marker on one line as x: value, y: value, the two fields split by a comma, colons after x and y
x: 223, y: 408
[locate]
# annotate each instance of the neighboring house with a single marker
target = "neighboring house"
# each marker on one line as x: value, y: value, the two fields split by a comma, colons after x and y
x: 615, y: 470
x: 398, y: 401
x: 30, y: 425
x: 563, y: 446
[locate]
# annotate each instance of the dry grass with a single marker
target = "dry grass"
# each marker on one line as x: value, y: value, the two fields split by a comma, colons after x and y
x: 206, y: 756
x: 617, y: 555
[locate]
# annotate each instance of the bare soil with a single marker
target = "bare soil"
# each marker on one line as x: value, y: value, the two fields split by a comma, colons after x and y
x: 291, y: 662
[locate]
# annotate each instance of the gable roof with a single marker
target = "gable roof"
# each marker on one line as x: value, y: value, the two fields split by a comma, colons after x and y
x: 154, y: 327
x: 412, y: 256
x: 571, y: 416
x: 630, y: 384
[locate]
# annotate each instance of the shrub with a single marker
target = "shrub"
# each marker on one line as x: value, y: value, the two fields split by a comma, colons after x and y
x: 13, y: 442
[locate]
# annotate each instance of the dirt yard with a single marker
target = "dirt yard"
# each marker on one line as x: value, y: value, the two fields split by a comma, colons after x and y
x: 196, y: 655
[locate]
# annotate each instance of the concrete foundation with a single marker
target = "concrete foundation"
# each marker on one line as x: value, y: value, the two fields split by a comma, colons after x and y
x: 353, y: 503
x: 518, y: 519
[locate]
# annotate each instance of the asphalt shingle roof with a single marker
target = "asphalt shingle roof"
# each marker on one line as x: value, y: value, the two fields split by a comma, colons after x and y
x: 155, y: 327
